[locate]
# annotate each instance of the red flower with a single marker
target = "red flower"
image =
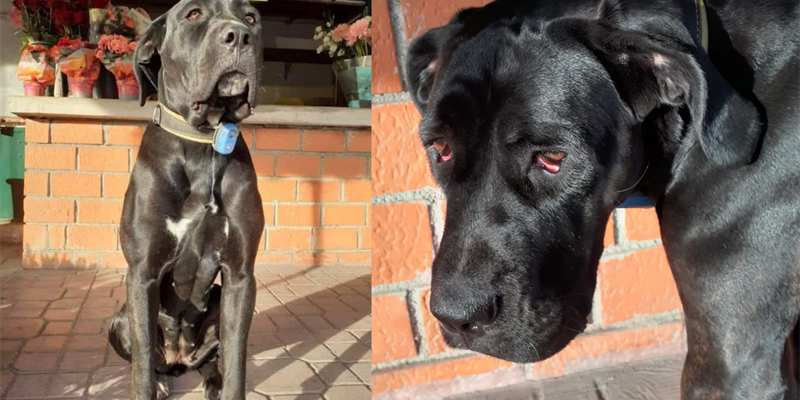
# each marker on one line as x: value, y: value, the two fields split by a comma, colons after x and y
x: 63, y: 17
x: 128, y: 21
x: 83, y: 4
x: 79, y: 17
x: 33, y: 4
x: 18, y: 4
x: 53, y: 3
x: 99, y: 3
x: 99, y: 54
x: 132, y: 46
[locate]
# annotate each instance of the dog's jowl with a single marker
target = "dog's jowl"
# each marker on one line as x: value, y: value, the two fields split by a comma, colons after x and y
x: 540, y: 117
x: 192, y: 210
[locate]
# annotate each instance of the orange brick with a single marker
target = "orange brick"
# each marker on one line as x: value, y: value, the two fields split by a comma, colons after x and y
x: 359, y: 141
x: 422, y: 15
x: 667, y: 337
x: 272, y: 190
x: 264, y: 164
x: 273, y: 258
x: 78, y: 185
x: 56, y: 237
x: 323, y: 140
x: 435, y: 372
x: 294, y: 215
x: 344, y: 215
x: 277, y: 139
x: 37, y: 131
x: 345, y: 167
x: 399, y: 163
x: 289, y: 239
x: 392, y: 338
x: 262, y: 244
x: 124, y: 135
x: 640, y: 284
x: 433, y: 334
x: 319, y: 191
x: 81, y: 132
x: 49, y: 210
x: 86, y: 260
x: 36, y: 184
x: 608, y: 238
x: 50, y: 157
x: 34, y: 237
x: 366, y: 237
x: 641, y: 224
x: 335, y: 239
x: 81, y: 237
x: 386, y: 76
x: 247, y: 135
x: 302, y: 166
x: 134, y: 155
x: 114, y: 186
x: 269, y: 214
x: 47, y: 260
x: 363, y: 258
x: 403, y: 245
x: 111, y: 159
x: 313, y: 259
x: 113, y: 260
x: 358, y: 191
x: 99, y: 211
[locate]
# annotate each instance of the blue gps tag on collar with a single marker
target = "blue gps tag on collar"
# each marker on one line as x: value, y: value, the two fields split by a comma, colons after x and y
x: 225, y: 138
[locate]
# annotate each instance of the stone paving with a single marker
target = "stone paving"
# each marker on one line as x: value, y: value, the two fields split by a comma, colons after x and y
x: 310, y: 337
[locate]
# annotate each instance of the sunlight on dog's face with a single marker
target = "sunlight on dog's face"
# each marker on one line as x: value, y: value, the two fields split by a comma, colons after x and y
x: 526, y: 145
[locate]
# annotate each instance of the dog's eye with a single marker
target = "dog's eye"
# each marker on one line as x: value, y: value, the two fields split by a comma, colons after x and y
x: 441, y: 146
x: 250, y: 19
x: 550, y: 161
x: 194, y: 14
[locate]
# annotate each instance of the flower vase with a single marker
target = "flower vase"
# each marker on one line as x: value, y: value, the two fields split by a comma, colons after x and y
x: 82, y: 70
x: 122, y: 69
x: 36, y: 69
x: 128, y: 88
x: 355, y: 78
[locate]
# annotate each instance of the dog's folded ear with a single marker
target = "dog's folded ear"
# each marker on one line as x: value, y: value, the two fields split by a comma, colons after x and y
x: 146, y: 59
x: 423, y: 57
x: 652, y: 74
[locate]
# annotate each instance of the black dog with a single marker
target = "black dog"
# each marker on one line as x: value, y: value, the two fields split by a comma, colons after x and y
x: 191, y: 211
x: 540, y: 117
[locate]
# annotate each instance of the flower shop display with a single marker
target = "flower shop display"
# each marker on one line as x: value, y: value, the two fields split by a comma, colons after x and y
x: 116, y: 54
x: 78, y: 62
x: 350, y: 47
x: 33, y: 22
x: 35, y: 69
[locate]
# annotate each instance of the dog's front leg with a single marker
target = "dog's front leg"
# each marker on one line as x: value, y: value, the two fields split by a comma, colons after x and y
x: 238, y: 302
x: 143, y: 296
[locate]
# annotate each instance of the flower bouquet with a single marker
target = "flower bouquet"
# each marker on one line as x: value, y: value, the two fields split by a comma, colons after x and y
x: 116, y: 54
x: 35, y: 69
x: 350, y: 47
x: 78, y: 62
x: 32, y: 21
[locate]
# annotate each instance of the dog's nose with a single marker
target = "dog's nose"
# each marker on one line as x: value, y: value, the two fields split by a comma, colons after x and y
x: 236, y: 36
x: 464, y: 313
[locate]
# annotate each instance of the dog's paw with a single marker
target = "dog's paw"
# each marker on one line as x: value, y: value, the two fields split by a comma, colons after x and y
x: 162, y: 388
x: 212, y: 392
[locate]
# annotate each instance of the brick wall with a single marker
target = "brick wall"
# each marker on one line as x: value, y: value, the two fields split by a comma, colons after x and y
x: 636, y: 313
x: 314, y: 185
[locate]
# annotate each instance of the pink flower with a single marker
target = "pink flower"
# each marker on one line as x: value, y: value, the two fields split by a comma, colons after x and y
x: 132, y: 46
x: 16, y: 18
x: 99, y: 54
x: 340, y: 33
x: 359, y: 28
x: 351, y: 40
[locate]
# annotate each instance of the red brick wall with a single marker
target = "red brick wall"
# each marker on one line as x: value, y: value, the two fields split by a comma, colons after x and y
x: 313, y: 183
x: 636, y: 313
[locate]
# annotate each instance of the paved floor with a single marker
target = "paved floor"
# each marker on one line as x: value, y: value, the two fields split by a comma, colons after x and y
x: 310, y: 338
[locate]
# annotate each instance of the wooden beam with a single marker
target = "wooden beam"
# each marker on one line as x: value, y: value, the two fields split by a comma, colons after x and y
x: 126, y: 110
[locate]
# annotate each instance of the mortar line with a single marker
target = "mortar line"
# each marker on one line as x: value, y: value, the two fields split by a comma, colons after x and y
x: 390, y: 98
x: 417, y: 324
x: 427, y: 195
x: 618, y: 218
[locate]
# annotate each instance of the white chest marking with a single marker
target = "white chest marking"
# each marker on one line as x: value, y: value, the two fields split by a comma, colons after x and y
x: 226, y: 228
x: 178, y: 229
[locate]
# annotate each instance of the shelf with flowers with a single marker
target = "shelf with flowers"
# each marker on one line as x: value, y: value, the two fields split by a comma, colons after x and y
x: 350, y: 48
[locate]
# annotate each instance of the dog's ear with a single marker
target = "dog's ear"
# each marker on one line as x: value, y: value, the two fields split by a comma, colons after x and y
x: 423, y: 58
x: 650, y: 74
x: 146, y: 59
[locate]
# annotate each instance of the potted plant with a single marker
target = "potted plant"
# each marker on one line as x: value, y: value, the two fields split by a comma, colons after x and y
x: 116, y: 54
x: 33, y: 21
x: 350, y: 47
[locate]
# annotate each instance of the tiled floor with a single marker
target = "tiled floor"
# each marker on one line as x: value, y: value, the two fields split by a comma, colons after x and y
x: 310, y: 338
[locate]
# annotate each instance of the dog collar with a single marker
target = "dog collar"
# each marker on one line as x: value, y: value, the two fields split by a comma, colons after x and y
x: 222, y: 139
x: 702, y: 23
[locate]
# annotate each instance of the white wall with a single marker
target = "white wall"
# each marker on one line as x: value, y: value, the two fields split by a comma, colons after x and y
x: 9, y: 58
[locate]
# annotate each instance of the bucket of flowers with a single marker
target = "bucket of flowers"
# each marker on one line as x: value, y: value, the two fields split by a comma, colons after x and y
x: 350, y: 47
x: 32, y: 20
x: 77, y: 61
x: 116, y: 54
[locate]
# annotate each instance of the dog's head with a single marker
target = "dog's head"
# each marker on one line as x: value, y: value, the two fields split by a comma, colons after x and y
x: 536, y: 128
x: 203, y: 58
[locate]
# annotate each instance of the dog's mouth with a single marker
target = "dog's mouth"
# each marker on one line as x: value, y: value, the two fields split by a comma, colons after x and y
x: 229, y: 100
